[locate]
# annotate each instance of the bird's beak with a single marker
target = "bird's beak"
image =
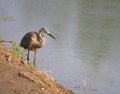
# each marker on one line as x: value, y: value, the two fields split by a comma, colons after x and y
x: 51, y: 36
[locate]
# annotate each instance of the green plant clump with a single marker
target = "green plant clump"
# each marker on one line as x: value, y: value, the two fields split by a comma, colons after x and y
x: 18, y: 51
x: 21, y: 53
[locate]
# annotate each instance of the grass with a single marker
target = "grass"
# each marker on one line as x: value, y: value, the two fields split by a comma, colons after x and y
x: 31, y: 65
x: 18, y: 51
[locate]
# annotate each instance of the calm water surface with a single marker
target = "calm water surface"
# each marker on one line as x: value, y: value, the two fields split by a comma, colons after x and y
x: 86, y: 55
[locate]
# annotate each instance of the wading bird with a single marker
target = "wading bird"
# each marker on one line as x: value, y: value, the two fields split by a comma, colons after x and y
x: 34, y: 40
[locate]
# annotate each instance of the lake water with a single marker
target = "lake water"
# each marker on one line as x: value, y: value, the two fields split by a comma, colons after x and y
x: 86, y: 54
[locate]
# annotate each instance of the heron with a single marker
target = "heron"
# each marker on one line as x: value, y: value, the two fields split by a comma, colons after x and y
x: 35, y: 40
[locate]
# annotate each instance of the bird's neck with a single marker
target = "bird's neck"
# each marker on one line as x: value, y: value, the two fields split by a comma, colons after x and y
x: 43, y: 40
x: 41, y: 35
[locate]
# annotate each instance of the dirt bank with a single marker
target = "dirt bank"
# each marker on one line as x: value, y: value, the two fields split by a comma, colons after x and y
x: 18, y: 78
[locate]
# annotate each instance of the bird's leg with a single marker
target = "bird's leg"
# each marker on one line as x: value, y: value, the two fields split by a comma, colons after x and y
x: 35, y: 52
x: 28, y: 55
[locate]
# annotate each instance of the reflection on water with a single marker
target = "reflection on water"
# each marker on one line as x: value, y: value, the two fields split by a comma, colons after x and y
x: 85, y: 56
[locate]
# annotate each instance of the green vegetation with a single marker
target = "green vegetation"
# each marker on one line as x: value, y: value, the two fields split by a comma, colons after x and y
x: 21, y: 53
x: 31, y: 65
x: 18, y: 51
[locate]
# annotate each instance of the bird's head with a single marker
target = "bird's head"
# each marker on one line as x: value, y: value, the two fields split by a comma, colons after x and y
x: 45, y: 30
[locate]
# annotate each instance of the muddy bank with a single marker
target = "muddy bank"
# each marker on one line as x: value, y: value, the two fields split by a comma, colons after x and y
x: 18, y: 78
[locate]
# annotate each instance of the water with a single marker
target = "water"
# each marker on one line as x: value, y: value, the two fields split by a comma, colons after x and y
x: 85, y: 56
